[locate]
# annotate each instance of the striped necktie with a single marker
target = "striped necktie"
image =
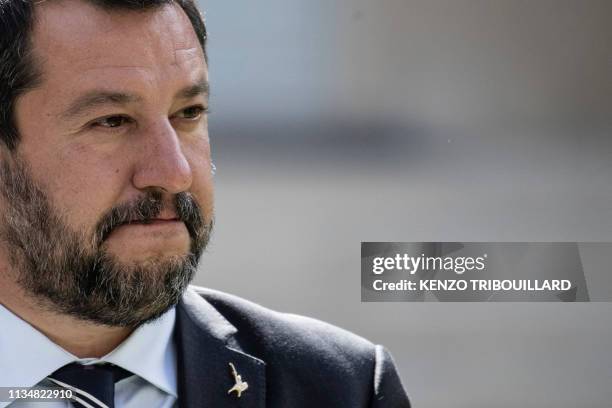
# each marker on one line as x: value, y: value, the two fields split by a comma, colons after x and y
x: 93, y: 386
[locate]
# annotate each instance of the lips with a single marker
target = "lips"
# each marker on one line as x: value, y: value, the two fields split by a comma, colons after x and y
x: 164, y: 216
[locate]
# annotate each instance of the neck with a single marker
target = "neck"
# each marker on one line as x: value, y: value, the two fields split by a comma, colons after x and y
x: 80, y: 338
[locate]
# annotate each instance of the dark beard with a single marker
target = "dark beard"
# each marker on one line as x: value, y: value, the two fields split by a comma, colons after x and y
x: 70, y: 273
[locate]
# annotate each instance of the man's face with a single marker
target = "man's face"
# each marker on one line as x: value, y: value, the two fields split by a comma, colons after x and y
x: 114, y: 143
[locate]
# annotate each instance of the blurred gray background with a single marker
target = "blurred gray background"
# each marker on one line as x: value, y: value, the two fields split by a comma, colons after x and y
x: 336, y: 122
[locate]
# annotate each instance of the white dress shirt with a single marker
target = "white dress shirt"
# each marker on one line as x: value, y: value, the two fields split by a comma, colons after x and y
x: 27, y: 357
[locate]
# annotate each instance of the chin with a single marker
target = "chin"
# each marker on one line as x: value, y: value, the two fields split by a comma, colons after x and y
x: 139, y: 253
x: 152, y: 260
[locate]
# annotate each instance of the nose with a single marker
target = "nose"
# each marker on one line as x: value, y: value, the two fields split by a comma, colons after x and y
x: 162, y: 163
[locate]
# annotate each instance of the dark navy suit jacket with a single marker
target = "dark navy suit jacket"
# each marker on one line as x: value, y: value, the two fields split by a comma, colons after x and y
x: 288, y: 361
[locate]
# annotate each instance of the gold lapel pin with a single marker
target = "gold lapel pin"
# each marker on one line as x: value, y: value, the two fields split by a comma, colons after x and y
x: 240, y: 386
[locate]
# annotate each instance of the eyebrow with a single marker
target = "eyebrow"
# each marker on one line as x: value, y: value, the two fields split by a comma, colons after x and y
x: 200, y: 88
x: 98, y: 98
x: 95, y: 99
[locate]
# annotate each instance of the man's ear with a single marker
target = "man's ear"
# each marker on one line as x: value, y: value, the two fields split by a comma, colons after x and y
x: 6, y: 155
x: 7, y: 163
x: 4, y: 152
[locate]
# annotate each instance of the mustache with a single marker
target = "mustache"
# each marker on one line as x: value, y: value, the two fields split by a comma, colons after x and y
x: 146, y: 209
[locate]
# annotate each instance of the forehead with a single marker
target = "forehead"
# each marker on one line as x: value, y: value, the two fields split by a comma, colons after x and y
x: 80, y: 45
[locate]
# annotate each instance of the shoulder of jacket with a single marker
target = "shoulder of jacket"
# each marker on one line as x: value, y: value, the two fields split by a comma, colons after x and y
x: 290, y: 335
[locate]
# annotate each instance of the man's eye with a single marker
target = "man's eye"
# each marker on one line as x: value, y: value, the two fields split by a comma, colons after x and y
x: 192, y: 112
x: 112, y: 121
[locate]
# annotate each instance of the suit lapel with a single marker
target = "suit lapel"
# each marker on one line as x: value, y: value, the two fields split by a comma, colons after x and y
x: 205, y: 349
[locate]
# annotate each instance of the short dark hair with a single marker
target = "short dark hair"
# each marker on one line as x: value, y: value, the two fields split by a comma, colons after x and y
x: 18, y: 69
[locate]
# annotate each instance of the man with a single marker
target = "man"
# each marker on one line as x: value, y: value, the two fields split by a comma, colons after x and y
x: 106, y: 206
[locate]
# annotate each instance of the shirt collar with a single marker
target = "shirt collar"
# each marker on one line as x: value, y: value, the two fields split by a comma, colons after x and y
x: 150, y: 353
x: 27, y: 356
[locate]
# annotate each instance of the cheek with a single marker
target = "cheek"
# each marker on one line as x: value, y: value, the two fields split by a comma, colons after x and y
x: 84, y: 185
